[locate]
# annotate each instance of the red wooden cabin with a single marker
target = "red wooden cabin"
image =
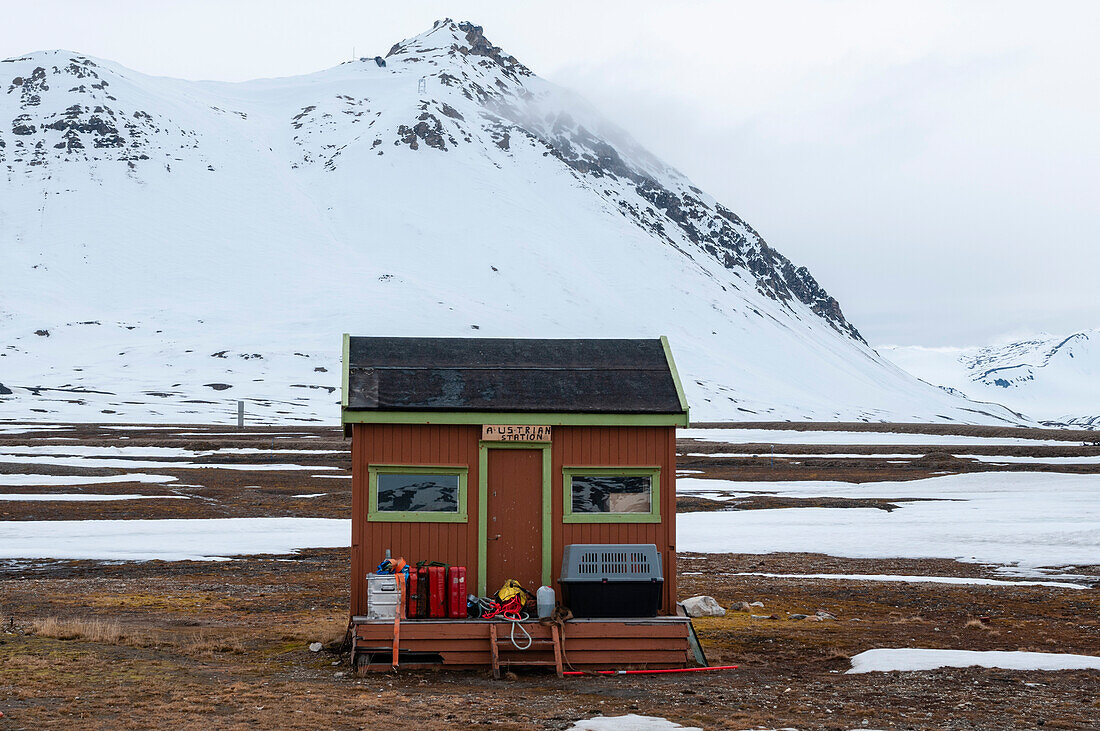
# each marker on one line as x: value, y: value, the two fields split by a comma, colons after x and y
x: 494, y: 454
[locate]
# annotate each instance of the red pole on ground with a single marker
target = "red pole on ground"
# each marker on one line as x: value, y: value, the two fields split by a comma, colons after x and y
x: 649, y: 672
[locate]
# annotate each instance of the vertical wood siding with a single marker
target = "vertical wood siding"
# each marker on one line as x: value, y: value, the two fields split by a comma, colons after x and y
x: 456, y: 543
x: 452, y: 543
x: 619, y: 446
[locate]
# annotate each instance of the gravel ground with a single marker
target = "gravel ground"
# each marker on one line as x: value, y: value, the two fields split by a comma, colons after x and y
x: 225, y: 644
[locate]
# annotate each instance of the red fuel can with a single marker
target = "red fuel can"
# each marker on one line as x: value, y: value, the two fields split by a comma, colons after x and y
x: 421, y: 593
x: 412, y: 598
x: 456, y: 592
x: 437, y: 591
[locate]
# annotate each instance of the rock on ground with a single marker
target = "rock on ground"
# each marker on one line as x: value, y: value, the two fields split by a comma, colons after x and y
x: 703, y: 606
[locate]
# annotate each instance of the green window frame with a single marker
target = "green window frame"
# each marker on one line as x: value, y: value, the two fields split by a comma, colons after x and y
x: 653, y: 516
x: 415, y: 516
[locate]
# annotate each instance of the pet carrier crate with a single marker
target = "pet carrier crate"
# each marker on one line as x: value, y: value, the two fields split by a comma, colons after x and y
x: 612, y: 579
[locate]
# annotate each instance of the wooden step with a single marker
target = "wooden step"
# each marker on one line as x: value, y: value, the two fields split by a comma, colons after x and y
x: 555, y: 642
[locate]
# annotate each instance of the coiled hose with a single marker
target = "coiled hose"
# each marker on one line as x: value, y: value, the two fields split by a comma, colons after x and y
x: 511, y: 611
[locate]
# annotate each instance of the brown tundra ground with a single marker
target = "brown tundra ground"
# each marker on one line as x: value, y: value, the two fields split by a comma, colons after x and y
x: 222, y: 644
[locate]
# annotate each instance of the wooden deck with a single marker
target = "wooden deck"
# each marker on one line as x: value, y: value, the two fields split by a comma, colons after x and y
x: 588, y: 644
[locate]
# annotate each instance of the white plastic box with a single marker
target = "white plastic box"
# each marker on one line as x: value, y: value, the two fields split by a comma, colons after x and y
x: 382, y: 596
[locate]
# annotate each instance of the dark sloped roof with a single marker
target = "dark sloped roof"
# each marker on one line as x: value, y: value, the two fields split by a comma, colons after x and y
x: 511, y: 375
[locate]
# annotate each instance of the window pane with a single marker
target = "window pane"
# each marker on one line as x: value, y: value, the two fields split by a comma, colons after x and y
x: 418, y: 493
x: 611, y: 494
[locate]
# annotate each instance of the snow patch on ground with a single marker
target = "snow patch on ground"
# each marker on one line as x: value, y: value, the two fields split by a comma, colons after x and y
x: 199, y: 539
x: 836, y: 438
x: 80, y: 450
x: 629, y: 722
x: 108, y: 462
x: 1000, y: 459
x: 785, y: 455
x: 66, y: 480
x: 953, y: 580
x: 81, y: 497
x: 887, y: 660
x: 1024, y: 519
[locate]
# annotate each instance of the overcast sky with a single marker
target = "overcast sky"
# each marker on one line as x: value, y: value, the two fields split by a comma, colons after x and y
x: 935, y: 165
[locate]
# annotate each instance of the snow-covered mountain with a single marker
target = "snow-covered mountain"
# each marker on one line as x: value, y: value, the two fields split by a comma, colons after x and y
x: 170, y: 247
x: 1053, y: 379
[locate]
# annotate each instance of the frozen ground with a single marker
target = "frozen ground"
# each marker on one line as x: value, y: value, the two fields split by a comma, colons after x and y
x: 887, y: 660
x: 266, y: 603
x: 170, y: 539
x: 1021, y: 519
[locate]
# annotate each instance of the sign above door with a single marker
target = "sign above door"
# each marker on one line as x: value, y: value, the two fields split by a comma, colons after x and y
x: 514, y: 433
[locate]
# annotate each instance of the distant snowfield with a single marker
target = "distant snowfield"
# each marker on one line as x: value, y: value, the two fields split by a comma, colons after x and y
x: 1050, y: 378
x: 85, y: 450
x: 66, y: 480
x: 989, y: 458
x: 888, y: 660
x: 836, y: 438
x: 196, y: 539
x: 1012, y: 459
x: 108, y: 462
x: 80, y: 497
x: 1023, y: 519
x: 784, y: 455
x: 25, y: 429
x: 903, y: 579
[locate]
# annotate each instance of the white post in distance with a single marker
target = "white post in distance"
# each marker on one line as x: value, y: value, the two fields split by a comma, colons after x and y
x: 240, y: 414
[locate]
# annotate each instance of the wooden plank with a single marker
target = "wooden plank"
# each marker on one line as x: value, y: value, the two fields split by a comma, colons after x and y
x: 658, y: 620
x: 494, y: 651
x: 579, y: 631
x: 557, y: 650
x: 606, y: 644
x: 417, y: 630
x: 626, y: 643
x: 612, y: 659
x: 627, y: 657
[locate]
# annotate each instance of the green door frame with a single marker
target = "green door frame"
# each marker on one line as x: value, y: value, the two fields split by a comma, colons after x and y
x: 483, y: 507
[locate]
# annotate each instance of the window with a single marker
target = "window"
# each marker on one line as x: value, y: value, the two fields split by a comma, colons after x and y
x: 612, y: 495
x: 417, y: 493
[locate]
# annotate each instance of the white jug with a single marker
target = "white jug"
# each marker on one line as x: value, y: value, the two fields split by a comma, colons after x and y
x: 546, y: 601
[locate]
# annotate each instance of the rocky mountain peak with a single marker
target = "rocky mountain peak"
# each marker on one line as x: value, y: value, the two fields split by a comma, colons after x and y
x: 447, y: 91
x: 446, y: 38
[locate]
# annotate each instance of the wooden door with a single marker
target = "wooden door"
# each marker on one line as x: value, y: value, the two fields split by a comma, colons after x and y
x: 514, y: 518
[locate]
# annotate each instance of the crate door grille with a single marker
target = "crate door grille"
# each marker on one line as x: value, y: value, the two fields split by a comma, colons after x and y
x: 612, y: 562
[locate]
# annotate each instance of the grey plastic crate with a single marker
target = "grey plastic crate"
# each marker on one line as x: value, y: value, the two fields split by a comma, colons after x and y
x: 611, y: 562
